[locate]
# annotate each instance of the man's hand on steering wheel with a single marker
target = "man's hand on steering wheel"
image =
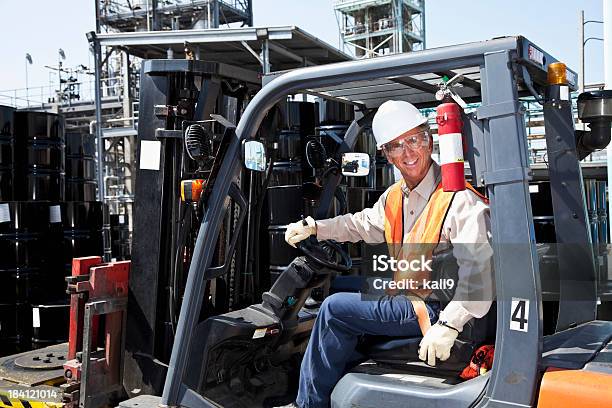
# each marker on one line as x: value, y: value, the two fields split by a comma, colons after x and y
x: 323, y: 253
x: 299, y: 231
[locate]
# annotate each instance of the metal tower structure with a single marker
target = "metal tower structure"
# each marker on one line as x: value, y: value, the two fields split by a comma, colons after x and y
x: 371, y: 28
x: 160, y: 15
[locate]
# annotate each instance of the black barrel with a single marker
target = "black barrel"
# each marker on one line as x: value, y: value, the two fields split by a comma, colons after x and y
x: 55, y: 244
x: 286, y: 173
x: 384, y: 173
x: 15, y: 328
x: 82, y: 224
x: 25, y: 259
x: 289, y: 146
x: 81, y: 181
x: 356, y: 200
x: 50, y: 323
x: 120, y: 236
x: 281, y: 253
x: 80, y: 145
x: 334, y: 113
x: 366, y: 143
x: 285, y: 204
x: 39, y: 156
x: 360, y: 198
x: 541, y: 198
x: 6, y: 152
x: 542, y: 210
x: 299, y: 116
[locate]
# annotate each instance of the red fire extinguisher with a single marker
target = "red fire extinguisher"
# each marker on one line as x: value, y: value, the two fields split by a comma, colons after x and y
x: 448, y: 118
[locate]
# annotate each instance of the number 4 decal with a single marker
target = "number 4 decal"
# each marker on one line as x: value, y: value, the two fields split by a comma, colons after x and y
x: 519, y: 315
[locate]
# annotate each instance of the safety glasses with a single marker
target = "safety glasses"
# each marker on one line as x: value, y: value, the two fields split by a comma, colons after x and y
x: 413, y: 141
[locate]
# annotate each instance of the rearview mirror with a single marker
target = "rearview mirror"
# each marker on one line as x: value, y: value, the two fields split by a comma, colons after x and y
x: 254, y: 154
x: 355, y: 164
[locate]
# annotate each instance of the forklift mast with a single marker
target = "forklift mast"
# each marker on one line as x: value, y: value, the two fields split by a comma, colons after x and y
x: 174, y: 93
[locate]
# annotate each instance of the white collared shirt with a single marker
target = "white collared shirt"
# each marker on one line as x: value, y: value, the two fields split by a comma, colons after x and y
x: 467, y: 222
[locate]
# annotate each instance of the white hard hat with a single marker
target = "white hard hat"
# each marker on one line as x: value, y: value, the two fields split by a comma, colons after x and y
x: 393, y: 119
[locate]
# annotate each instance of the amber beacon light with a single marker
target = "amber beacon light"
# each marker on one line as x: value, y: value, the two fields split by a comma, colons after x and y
x: 557, y: 74
x: 191, y: 190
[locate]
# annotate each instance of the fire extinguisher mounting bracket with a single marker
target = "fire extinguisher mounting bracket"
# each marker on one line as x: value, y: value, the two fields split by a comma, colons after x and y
x: 459, y: 100
x: 446, y: 90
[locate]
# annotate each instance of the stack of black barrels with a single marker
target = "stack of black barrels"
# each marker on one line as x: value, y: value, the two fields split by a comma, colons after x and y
x: 80, y: 167
x: 7, y: 142
x: 46, y: 219
x: 545, y: 234
x: 285, y: 205
x: 293, y: 190
x: 285, y: 202
x: 299, y: 121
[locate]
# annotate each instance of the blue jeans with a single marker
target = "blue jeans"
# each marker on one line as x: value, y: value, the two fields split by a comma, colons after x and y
x: 343, y: 317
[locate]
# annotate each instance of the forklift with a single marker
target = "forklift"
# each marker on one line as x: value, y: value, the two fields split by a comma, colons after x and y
x: 243, y: 357
x: 207, y: 326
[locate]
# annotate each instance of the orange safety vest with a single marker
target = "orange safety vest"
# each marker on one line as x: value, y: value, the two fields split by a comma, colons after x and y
x: 421, y: 240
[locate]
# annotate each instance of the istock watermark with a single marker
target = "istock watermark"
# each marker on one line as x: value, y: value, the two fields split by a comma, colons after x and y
x: 384, y: 263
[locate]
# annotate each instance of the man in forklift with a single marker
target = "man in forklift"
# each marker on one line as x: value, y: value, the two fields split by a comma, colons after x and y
x: 413, y: 210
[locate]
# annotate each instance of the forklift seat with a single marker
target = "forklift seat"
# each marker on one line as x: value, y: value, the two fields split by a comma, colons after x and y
x: 395, y: 374
x: 404, y: 350
x: 397, y: 389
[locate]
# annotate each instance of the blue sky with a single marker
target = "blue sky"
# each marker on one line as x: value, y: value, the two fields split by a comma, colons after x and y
x: 40, y: 27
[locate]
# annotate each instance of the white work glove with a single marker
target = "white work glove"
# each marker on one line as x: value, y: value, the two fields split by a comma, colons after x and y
x: 297, y: 231
x: 437, y: 342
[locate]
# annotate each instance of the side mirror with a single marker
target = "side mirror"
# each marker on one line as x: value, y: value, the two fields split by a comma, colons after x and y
x: 254, y: 154
x: 355, y: 164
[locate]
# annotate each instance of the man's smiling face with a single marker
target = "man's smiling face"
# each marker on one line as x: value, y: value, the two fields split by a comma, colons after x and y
x: 411, y: 154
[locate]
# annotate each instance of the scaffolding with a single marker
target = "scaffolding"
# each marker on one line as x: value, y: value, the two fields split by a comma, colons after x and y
x: 160, y: 15
x: 371, y: 28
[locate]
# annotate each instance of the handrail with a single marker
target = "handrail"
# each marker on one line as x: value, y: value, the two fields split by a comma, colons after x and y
x: 40, y: 95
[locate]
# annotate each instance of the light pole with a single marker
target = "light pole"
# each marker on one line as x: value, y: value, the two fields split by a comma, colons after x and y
x: 583, y: 42
x: 60, y: 56
x: 28, y: 61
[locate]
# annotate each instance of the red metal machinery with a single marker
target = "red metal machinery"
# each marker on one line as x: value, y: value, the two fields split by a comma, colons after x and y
x: 98, y: 305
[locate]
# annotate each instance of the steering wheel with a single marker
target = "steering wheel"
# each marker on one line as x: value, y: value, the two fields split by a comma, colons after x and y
x: 323, y: 253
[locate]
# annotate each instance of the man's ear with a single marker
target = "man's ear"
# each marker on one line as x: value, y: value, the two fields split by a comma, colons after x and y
x: 387, y: 156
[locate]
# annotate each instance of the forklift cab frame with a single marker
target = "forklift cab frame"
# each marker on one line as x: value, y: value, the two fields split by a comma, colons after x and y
x: 497, y: 73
